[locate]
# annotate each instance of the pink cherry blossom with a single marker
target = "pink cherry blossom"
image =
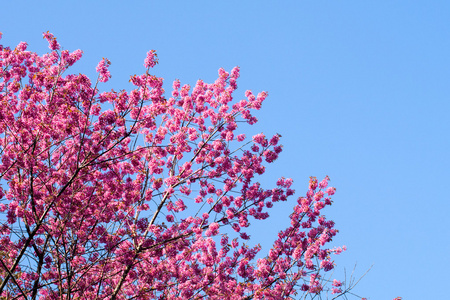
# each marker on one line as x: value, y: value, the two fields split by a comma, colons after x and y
x: 151, y: 59
x: 144, y: 194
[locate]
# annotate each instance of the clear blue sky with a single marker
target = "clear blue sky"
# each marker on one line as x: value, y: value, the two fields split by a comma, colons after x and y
x: 359, y: 90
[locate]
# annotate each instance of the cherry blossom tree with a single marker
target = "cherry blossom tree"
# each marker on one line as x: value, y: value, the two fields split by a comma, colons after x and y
x: 142, y: 194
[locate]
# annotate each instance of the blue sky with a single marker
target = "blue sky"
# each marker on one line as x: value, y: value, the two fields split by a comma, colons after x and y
x: 358, y: 90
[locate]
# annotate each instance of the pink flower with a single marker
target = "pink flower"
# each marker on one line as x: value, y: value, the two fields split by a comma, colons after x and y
x: 52, y: 43
x: 240, y: 137
x: 274, y: 140
x: 235, y: 72
x: 102, y: 69
x: 259, y: 138
x: 176, y: 84
x: 270, y: 156
x: 336, y: 283
x: 213, y: 229
x: 312, y: 183
x: 330, y: 191
x: 151, y: 60
x: 323, y: 184
x: 326, y: 265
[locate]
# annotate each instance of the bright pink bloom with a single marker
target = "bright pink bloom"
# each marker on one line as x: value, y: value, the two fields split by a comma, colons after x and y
x: 336, y: 283
x: 151, y: 60
x: 102, y: 69
x: 52, y: 43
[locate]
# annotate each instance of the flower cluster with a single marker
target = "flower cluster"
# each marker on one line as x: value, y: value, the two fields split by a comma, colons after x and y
x: 102, y: 69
